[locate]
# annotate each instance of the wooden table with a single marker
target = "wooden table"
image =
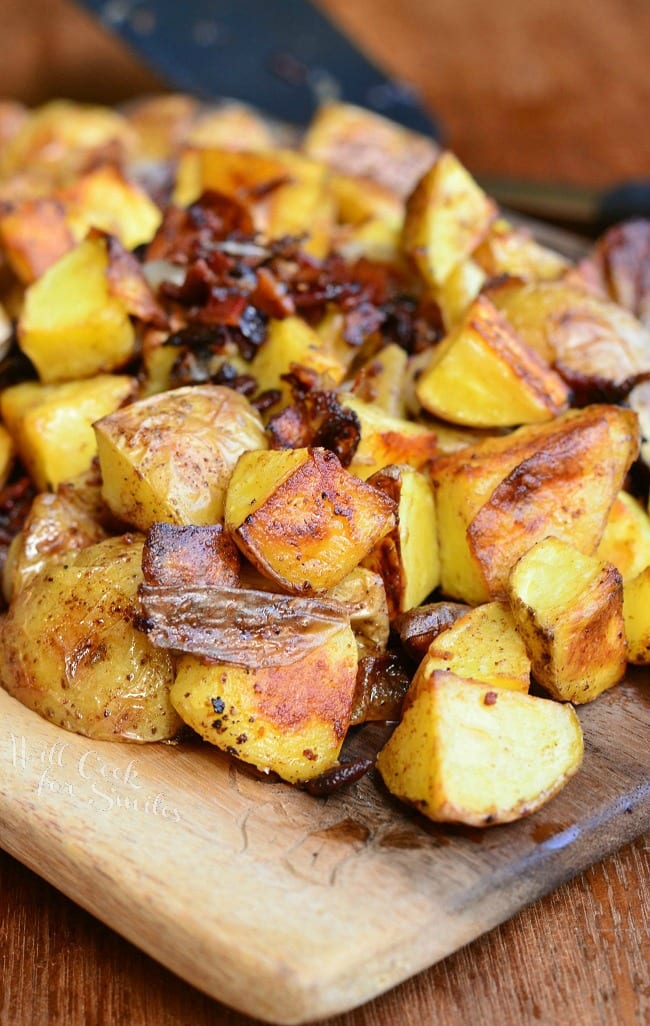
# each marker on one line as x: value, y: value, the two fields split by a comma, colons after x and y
x: 543, y: 90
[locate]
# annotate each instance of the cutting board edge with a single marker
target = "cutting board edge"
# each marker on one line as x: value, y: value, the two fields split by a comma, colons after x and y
x: 308, y: 999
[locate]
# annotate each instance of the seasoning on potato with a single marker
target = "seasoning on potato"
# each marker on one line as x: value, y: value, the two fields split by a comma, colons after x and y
x: 297, y: 439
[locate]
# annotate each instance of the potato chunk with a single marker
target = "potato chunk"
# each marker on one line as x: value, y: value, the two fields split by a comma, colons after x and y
x: 465, y: 753
x: 626, y: 539
x: 292, y: 342
x: 71, y: 326
x: 446, y: 217
x: 302, y: 519
x: 483, y: 375
x: 52, y: 424
x: 407, y: 558
x: 91, y: 671
x: 289, y: 719
x: 495, y: 499
x: 7, y: 450
x: 170, y: 457
x: 568, y: 608
x: 636, y: 611
x: 483, y: 645
x: 386, y: 439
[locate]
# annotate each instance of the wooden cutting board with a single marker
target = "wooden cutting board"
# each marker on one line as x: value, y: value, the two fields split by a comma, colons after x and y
x: 287, y: 907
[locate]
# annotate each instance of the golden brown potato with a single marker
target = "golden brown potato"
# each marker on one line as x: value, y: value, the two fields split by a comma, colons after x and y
x: 386, y: 440
x: 446, y: 217
x: 512, y: 250
x: 465, y: 753
x: 636, y: 611
x: 54, y: 529
x: 34, y: 234
x: 91, y: 671
x: 360, y: 143
x: 189, y: 555
x: 483, y: 645
x: 51, y: 425
x: 289, y: 719
x: 461, y: 286
x: 568, y: 608
x: 301, y: 519
x: 380, y: 380
x: 103, y: 198
x: 494, y: 500
x: 482, y: 375
x: 293, y: 343
x: 407, y: 558
x: 170, y: 457
x: 626, y: 538
x: 70, y: 326
x: 599, y: 348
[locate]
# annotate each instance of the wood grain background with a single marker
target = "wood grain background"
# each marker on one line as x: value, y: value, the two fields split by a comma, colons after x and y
x: 545, y: 89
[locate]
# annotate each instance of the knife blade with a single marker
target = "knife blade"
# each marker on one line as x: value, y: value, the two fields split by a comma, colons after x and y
x: 282, y: 56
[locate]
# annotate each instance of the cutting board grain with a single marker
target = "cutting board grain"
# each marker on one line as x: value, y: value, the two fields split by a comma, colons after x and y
x: 287, y: 907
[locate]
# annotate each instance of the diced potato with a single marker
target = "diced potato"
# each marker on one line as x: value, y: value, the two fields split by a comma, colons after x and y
x: 292, y: 341
x: 626, y: 539
x: 483, y: 375
x: 103, y: 198
x: 375, y: 240
x: 361, y: 200
x: 511, y: 250
x: 446, y: 217
x: 636, y: 611
x: 170, y: 457
x: 360, y: 143
x: 52, y: 424
x: 380, y: 380
x: 287, y: 719
x: 386, y: 439
x: 161, y: 124
x: 302, y: 519
x: 54, y: 528
x: 90, y: 670
x: 495, y: 499
x: 465, y: 753
x: 71, y: 327
x: 407, y: 558
x: 483, y: 645
x: 363, y: 596
x: 7, y: 450
x: 61, y: 136
x: 231, y: 126
x: 461, y: 286
x: 599, y: 348
x: 568, y: 607
x: 34, y: 234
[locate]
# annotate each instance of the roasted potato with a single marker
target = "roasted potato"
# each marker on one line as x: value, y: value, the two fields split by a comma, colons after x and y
x: 494, y: 500
x: 465, y: 753
x: 303, y: 520
x: 482, y: 375
x: 170, y: 457
x: 626, y: 538
x: 568, y: 608
x: 636, y: 611
x: 386, y: 440
x: 90, y: 670
x: 51, y: 425
x: 483, y: 645
x: 407, y: 558
x: 288, y: 719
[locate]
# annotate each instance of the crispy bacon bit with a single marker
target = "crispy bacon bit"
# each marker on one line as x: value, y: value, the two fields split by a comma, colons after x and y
x: 490, y: 698
x: 337, y: 777
x: 317, y: 419
x: 183, y: 234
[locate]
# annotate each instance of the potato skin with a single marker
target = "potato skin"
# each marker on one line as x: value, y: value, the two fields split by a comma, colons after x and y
x: 69, y: 649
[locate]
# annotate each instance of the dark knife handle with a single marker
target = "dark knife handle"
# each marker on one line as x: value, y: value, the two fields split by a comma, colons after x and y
x: 624, y: 203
